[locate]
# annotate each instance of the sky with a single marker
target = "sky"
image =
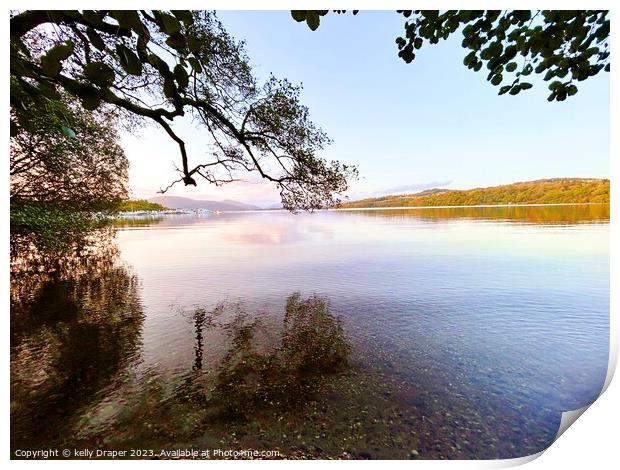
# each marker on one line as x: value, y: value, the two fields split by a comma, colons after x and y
x: 408, y: 127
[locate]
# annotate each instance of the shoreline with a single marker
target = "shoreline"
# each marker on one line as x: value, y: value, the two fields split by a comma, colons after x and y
x: 474, y: 206
x: 346, y: 209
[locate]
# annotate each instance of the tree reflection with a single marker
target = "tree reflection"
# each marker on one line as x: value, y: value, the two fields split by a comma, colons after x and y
x: 549, y: 214
x: 75, y: 326
x: 285, y: 382
x: 252, y: 375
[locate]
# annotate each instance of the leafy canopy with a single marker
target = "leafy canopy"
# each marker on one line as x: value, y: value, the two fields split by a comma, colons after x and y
x: 66, y: 157
x: 159, y: 66
x: 567, y: 46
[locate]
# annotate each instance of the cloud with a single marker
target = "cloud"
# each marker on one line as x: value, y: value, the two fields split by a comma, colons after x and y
x: 399, y: 189
x: 416, y: 188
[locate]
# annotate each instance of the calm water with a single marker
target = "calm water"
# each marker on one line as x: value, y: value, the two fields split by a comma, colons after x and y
x: 485, y: 323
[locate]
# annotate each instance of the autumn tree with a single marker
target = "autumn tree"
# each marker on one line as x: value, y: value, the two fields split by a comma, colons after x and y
x: 159, y: 66
x: 565, y: 46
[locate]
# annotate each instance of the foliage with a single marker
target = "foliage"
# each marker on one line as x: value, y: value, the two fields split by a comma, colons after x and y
x: 159, y: 66
x: 49, y: 227
x: 66, y: 156
x: 139, y: 205
x: 566, y: 45
x: 247, y: 379
x: 551, y: 191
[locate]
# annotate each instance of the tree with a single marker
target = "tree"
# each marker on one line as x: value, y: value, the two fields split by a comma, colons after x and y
x: 568, y: 46
x: 159, y: 66
x: 67, y: 157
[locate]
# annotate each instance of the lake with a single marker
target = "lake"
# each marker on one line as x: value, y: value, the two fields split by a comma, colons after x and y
x: 467, y: 332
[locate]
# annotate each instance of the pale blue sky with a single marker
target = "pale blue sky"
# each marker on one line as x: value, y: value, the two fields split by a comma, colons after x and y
x: 407, y: 126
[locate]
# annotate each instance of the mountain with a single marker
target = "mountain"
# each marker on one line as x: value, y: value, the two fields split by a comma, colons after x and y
x: 547, y: 191
x: 177, y: 202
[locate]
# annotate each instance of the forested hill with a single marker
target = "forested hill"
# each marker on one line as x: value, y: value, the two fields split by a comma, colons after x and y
x: 549, y: 191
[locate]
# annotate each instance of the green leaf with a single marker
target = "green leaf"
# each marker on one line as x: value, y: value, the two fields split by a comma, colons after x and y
x: 159, y: 64
x: 486, y: 54
x: 299, y: 15
x: 496, y: 48
x: 177, y: 41
x: 469, y: 58
x: 180, y: 75
x: 141, y: 49
x: 184, y: 15
x: 497, y: 79
x: 68, y: 132
x: 169, y: 88
x: 555, y: 85
x: 169, y: 24
x: 99, y: 73
x: 51, y: 67
x: 128, y: 60
x: 91, y: 16
x: 571, y: 90
x: 511, y: 67
x: 195, y: 63
x: 525, y: 85
x: 504, y: 89
x: 128, y: 19
x: 407, y: 54
x: 51, y: 62
x: 313, y: 20
x: 193, y: 43
x: 95, y: 39
x: 90, y: 97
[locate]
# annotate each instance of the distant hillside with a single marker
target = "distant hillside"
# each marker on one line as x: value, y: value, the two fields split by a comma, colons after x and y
x: 176, y: 202
x: 139, y: 205
x: 549, y: 191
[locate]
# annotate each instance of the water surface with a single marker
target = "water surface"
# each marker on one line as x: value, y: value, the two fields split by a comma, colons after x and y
x: 476, y: 327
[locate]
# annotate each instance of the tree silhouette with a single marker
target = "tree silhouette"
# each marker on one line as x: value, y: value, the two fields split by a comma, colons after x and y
x: 159, y: 66
x: 85, y: 171
x: 568, y: 46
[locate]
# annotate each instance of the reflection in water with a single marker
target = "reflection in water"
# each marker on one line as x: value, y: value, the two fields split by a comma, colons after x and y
x: 449, y: 333
x: 142, y: 220
x: 75, y: 325
x: 291, y: 388
x: 200, y: 316
x: 246, y: 380
x: 534, y: 214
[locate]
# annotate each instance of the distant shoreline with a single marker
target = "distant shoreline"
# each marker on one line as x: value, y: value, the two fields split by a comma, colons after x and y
x: 560, y: 191
x: 474, y: 206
